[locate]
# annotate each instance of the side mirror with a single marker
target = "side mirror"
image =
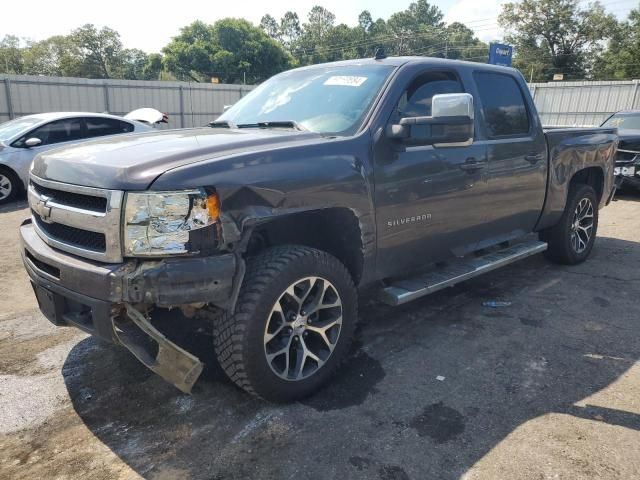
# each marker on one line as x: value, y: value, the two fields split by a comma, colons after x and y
x: 32, y: 142
x: 450, y: 123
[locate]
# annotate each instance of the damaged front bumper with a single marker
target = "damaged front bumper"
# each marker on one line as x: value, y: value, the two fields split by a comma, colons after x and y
x: 101, y: 298
x: 628, y: 171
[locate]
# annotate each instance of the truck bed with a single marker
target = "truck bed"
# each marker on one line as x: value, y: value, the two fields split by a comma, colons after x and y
x: 570, y: 150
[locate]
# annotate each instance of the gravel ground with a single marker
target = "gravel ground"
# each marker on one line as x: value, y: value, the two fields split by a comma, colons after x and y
x: 548, y: 387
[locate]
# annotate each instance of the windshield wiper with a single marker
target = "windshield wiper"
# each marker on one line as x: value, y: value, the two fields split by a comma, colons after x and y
x: 222, y: 124
x: 275, y: 124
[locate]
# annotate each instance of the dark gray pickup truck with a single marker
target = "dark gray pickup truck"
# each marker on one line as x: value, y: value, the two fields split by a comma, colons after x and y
x: 391, y: 176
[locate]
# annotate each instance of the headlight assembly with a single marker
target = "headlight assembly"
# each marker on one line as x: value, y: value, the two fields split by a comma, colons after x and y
x: 158, y: 223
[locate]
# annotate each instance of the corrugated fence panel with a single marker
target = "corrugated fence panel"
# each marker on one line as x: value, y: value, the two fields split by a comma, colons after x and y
x: 188, y: 104
x: 194, y: 104
x: 4, y: 101
x: 583, y: 103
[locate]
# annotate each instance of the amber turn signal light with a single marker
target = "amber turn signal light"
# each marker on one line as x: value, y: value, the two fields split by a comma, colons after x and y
x: 213, y: 206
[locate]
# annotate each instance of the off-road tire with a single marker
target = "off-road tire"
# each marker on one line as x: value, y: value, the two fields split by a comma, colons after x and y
x: 558, y: 237
x: 16, y: 185
x: 239, y: 336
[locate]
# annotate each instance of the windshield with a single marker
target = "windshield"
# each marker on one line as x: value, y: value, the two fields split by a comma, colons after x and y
x: 13, y: 127
x: 624, y: 121
x: 329, y: 100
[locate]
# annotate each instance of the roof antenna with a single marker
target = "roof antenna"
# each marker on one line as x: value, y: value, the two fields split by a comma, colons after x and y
x: 380, y: 54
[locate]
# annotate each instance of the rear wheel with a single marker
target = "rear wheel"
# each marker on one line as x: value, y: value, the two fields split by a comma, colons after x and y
x: 9, y: 186
x: 572, y: 238
x: 293, y: 323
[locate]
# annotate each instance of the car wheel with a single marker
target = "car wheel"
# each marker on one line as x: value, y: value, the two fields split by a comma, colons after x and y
x: 292, y: 326
x: 9, y: 186
x: 572, y: 238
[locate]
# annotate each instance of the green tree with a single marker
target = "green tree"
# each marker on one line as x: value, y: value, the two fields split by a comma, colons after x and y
x: 365, y: 21
x: 290, y: 29
x: 270, y: 26
x: 416, y: 30
x: 100, y: 51
x: 230, y: 49
x: 11, y: 55
x: 320, y: 22
x: 152, y: 69
x: 555, y: 36
x: 55, y: 56
x: 132, y: 63
x: 461, y: 43
x: 621, y: 59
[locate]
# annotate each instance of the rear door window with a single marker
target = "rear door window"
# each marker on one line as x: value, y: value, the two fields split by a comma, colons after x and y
x: 503, y: 105
x: 99, y: 127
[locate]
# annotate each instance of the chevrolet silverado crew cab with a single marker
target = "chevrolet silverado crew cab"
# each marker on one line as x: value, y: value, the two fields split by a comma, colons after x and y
x: 394, y: 176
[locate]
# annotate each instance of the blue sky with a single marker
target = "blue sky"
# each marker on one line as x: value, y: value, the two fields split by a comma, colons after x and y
x: 149, y: 25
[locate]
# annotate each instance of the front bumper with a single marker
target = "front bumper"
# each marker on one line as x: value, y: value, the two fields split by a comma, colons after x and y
x: 628, y: 172
x: 163, y: 283
x: 100, y: 298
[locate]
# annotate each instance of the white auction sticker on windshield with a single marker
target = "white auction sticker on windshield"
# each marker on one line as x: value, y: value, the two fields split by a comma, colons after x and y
x: 345, y: 80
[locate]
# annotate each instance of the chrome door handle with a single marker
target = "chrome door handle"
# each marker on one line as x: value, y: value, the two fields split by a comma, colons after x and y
x: 471, y: 165
x: 533, y: 158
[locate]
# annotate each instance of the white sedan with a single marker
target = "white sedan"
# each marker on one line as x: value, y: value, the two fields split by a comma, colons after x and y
x: 23, y: 138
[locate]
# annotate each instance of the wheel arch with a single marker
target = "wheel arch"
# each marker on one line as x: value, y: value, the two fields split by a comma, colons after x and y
x: 335, y: 230
x: 558, y: 190
x: 593, y: 176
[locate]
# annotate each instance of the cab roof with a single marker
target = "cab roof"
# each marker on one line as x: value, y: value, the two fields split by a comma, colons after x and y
x: 401, y: 61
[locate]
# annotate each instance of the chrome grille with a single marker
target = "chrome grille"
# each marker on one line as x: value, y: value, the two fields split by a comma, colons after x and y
x: 94, y: 241
x: 77, y: 200
x: 626, y: 156
x: 84, y: 221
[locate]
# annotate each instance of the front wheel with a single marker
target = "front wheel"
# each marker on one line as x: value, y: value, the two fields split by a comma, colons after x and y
x: 9, y: 186
x: 292, y: 326
x: 572, y: 238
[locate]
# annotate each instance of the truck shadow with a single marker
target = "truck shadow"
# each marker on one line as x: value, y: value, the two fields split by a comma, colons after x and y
x: 569, y: 333
x: 628, y: 195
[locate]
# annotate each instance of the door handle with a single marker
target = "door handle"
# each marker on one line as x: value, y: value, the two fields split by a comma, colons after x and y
x: 471, y: 165
x: 533, y: 158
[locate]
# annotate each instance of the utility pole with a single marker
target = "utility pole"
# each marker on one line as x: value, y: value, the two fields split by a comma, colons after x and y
x: 244, y: 78
x: 531, y: 75
x: 446, y: 48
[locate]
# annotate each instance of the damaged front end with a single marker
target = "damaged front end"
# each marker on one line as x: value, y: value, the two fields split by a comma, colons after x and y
x: 113, y: 301
x: 627, y: 167
x: 156, y: 351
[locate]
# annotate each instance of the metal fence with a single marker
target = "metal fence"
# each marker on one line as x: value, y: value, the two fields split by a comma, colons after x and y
x: 583, y: 103
x: 194, y: 104
x: 188, y: 104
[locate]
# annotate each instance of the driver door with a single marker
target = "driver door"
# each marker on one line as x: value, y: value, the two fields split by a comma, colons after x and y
x: 429, y: 200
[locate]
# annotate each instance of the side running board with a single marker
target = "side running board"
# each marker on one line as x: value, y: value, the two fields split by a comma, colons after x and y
x: 403, y: 291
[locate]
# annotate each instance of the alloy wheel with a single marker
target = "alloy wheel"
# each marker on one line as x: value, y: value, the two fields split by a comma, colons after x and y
x: 5, y: 186
x: 582, y: 225
x: 303, y: 328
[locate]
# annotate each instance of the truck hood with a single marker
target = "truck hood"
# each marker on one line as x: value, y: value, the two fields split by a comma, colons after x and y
x: 133, y: 162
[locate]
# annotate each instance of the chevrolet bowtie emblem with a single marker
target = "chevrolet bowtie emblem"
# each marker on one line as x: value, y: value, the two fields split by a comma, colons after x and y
x: 43, y: 210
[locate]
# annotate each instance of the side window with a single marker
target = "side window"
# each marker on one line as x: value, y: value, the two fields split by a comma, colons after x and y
x: 416, y: 100
x: 98, y: 127
x: 504, y: 108
x: 58, y: 131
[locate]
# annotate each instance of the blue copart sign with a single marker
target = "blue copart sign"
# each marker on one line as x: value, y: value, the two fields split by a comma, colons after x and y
x: 500, y: 54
